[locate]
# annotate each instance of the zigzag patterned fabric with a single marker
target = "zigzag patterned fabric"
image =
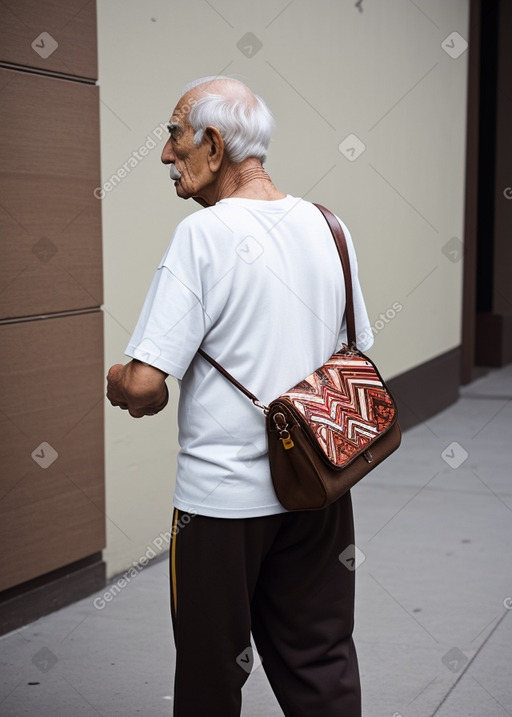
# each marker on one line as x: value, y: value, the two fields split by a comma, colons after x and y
x: 345, y: 404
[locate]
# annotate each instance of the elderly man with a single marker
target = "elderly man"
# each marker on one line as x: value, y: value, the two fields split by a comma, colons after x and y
x: 254, y: 279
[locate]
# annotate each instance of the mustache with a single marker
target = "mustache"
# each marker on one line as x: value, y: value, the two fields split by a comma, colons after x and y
x: 173, y: 173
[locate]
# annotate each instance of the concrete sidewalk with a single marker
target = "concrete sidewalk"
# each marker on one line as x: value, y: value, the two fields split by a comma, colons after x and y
x: 434, y: 594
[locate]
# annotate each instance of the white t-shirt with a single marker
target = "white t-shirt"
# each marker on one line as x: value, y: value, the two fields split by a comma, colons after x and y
x: 259, y: 286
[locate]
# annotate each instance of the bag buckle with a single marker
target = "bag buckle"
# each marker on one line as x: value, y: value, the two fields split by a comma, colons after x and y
x: 347, y: 350
x: 261, y: 405
x: 284, y: 433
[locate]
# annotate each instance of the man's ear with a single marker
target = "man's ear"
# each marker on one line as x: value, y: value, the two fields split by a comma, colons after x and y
x: 213, y: 138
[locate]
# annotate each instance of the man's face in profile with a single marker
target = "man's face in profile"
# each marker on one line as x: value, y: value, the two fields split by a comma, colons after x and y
x: 188, y: 164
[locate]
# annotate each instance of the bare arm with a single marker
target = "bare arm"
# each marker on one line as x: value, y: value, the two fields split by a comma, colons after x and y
x: 137, y: 388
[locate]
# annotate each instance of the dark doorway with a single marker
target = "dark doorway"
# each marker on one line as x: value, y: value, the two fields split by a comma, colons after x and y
x: 487, y: 319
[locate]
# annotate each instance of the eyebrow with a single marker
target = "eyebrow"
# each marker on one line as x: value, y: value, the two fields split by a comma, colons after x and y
x: 174, y: 127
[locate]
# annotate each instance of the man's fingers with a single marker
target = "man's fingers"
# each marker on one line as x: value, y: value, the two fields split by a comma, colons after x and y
x: 114, y: 372
x: 118, y: 404
x: 114, y: 394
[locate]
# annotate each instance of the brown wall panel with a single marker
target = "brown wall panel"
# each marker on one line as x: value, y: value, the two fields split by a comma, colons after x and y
x: 51, y: 35
x: 50, y: 222
x: 51, y: 445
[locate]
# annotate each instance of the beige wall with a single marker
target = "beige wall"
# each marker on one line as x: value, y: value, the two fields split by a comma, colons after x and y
x: 327, y: 71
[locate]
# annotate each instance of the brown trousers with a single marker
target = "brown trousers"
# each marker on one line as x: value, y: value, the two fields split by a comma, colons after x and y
x: 280, y: 578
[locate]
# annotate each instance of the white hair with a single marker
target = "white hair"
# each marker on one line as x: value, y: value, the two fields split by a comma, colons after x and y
x: 245, y: 126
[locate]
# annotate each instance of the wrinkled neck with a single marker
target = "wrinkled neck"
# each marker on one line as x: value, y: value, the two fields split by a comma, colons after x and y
x: 246, y: 179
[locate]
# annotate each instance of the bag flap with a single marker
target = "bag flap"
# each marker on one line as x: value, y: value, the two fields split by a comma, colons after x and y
x: 344, y: 405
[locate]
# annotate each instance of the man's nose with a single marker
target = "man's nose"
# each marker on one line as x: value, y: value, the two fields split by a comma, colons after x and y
x: 168, y: 156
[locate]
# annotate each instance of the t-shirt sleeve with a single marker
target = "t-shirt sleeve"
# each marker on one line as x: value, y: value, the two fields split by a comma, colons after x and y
x: 364, y: 333
x: 171, y: 326
x: 173, y: 320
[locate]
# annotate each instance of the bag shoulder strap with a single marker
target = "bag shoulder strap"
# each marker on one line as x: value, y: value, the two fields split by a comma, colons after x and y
x: 233, y: 380
x: 341, y: 245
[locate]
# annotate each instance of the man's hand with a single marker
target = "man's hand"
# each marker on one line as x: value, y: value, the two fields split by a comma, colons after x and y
x: 137, y: 388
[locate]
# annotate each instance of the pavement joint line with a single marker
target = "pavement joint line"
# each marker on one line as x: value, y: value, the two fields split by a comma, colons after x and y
x: 485, y: 628
x: 490, y: 694
x: 404, y: 608
x: 491, y: 490
x: 442, y: 488
x: 75, y: 628
x: 404, y: 505
x: 13, y: 690
x: 470, y: 662
x: 487, y: 397
x: 492, y: 418
x: 423, y: 690
x: 83, y: 697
